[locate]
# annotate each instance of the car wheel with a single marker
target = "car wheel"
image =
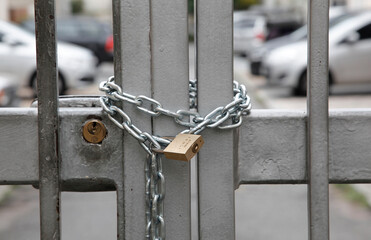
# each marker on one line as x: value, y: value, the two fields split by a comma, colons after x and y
x: 61, y: 84
x: 301, y: 88
x: 255, y: 68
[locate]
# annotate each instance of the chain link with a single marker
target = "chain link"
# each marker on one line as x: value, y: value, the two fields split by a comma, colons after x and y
x: 195, y: 124
x: 218, y: 118
x: 192, y: 93
x: 155, y: 195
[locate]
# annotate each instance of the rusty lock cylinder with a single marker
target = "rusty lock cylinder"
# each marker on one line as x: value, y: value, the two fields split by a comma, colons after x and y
x: 94, y: 131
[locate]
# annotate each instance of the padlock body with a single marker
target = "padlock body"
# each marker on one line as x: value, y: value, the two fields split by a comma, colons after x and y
x: 184, y: 147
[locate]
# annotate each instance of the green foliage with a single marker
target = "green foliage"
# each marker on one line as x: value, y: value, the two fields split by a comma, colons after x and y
x: 238, y: 4
x: 244, y: 4
x: 77, y: 6
x: 353, y: 195
x: 190, y: 6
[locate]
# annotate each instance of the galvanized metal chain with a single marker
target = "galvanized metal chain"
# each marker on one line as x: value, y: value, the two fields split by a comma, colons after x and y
x: 155, y: 195
x: 241, y: 105
x: 192, y: 94
x: 195, y: 124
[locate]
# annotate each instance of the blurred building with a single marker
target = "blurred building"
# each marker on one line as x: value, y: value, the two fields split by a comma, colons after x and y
x: 299, y: 7
x: 20, y: 10
x: 358, y: 4
x: 4, y: 6
x: 302, y: 4
x: 99, y: 8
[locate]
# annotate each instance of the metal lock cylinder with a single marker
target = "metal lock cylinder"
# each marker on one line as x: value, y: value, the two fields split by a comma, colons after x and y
x: 94, y: 131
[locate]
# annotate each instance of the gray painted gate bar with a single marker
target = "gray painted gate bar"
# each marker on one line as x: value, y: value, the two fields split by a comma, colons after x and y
x: 48, y: 123
x: 318, y: 146
x: 159, y: 56
x: 214, y: 61
x: 132, y: 65
x: 276, y: 153
x: 170, y: 74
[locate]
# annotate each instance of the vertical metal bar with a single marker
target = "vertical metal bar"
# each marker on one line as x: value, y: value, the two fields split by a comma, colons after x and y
x: 318, y: 149
x: 170, y: 75
x: 215, y: 75
x: 131, y: 29
x: 47, y: 91
x: 118, y: 72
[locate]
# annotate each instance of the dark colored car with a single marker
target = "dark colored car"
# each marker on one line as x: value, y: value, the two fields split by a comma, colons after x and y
x: 83, y: 31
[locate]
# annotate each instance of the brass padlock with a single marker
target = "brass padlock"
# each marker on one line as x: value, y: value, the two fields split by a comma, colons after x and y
x: 184, y: 147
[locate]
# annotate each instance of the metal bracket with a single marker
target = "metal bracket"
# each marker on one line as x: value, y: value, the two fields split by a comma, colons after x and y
x: 86, y: 166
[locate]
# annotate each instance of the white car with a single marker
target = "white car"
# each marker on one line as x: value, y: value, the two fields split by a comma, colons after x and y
x: 249, y: 32
x: 76, y: 65
x: 8, y: 97
x: 349, y: 56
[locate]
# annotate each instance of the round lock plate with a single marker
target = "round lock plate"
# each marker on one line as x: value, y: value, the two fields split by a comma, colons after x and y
x: 94, y: 131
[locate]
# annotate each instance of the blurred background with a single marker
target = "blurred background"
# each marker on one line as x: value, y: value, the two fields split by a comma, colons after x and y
x: 270, y: 42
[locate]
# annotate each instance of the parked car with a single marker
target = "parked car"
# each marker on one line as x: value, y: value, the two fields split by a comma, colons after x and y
x: 256, y: 56
x: 76, y: 65
x: 349, y: 56
x: 337, y: 14
x: 252, y: 29
x: 83, y: 31
x: 8, y: 92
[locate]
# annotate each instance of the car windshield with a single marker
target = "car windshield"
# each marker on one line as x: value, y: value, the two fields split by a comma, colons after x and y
x: 334, y: 21
x: 245, y: 23
x: 74, y: 28
x: 68, y: 29
x: 301, y: 33
x: 15, y: 31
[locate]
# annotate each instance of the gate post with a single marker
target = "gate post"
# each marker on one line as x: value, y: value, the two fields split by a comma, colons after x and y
x: 132, y: 61
x: 48, y: 121
x: 151, y: 59
x: 214, y: 71
x: 318, y: 123
x: 170, y: 77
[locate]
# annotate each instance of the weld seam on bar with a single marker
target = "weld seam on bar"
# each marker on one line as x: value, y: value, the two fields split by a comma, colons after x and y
x: 318, y: 123
x: 47, y: 120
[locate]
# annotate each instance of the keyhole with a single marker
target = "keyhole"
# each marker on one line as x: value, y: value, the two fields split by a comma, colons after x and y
x: 195, y: 148
x: 93, y: 128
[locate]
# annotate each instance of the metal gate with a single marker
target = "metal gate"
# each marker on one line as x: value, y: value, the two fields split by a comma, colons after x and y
x: 44, y: 147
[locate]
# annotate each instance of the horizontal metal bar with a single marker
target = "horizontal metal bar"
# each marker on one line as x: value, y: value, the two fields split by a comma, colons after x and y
x: 272, y: 148
x: 19, y: 146
x: 84, y: 166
